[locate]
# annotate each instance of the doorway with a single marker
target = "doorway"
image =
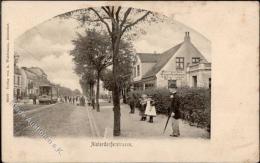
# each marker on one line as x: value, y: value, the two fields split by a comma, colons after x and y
x: 194, y: 79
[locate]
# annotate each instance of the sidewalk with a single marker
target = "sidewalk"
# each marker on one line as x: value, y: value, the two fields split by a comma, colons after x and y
x: 132, y: 127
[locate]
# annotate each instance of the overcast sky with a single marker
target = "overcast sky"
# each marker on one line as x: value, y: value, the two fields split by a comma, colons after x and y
x: 47, y: 46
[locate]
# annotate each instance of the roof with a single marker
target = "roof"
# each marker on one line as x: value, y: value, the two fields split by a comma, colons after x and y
x: 37, y: 71
x: 29, y: 74
x: 148, y: 57
x: 164, y: 58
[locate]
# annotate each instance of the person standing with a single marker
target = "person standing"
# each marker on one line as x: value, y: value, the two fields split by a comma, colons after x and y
x: 150, y: 109
x: 132, y: 103
x: 143, y: 103
x: 174, y: 112
x: 34, y: 99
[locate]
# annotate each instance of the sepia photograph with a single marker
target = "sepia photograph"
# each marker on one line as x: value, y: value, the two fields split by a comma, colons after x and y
x: 112, y: 71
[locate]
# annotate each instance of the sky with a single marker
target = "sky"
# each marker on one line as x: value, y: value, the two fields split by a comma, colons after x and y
x: 48, y: 45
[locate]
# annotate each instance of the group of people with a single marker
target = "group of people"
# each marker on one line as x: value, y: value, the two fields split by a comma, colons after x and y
x: 76, y: 100
x: 146, y: 105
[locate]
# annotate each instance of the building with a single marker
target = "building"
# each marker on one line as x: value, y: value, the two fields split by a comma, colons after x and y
x: 181, y: 66
x: 32, y: 79
x: 17, y: 83
x: 144, y: 63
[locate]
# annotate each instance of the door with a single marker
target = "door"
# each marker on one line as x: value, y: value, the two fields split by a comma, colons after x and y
x: 194, y: 79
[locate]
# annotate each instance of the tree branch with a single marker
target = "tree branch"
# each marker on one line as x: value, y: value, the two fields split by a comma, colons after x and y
x: 106, y: 10
x: 117, y: 14
x: 125, y: 17
x: 102, y: 20
x: 137, y: 21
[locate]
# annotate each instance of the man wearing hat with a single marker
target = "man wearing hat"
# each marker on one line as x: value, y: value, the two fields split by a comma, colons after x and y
x: 174, y: 112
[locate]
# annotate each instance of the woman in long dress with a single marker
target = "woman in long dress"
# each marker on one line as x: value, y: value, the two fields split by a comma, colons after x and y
x: 150, y: 110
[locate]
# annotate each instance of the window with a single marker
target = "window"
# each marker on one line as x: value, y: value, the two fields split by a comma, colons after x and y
x: 179, y: 62
x: 149, y: 85
x: 138, y: 70
x: 195, y: 59
x: 172, y: 84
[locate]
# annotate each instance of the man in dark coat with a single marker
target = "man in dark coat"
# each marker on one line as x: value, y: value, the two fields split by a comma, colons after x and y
x: 34, y: 99
x: 174, y: 112
x: 132, y: 104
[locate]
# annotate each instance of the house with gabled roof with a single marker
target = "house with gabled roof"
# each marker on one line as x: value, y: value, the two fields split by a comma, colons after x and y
x: 181, y: 66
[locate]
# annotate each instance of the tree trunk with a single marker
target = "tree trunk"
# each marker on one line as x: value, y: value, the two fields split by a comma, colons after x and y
x: 97, y: 92
x: 92, y: 96
x: 124, y: 95
x: 116, y: 91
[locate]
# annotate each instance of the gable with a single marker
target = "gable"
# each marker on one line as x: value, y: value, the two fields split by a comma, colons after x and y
x: 163, y: 59
x: 185, y: 49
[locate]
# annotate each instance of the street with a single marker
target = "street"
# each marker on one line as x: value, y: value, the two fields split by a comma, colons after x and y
x: 68, y: 120
x: 59, y: 120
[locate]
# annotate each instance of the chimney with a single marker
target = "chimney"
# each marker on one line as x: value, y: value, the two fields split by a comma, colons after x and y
x: 187, y: 36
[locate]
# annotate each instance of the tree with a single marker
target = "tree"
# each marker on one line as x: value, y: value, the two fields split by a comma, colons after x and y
x: 87, y: 80
x: 126, y: 60
x: 117, y: 21
x: 93, y: 51
x: 76, y: 92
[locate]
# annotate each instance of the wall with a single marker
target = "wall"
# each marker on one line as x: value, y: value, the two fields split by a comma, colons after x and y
x: 203, y: 73
x: 179, y: 75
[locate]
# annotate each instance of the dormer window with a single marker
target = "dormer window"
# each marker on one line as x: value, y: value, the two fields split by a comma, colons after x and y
x: 195, y: 60
x: 179, y: 63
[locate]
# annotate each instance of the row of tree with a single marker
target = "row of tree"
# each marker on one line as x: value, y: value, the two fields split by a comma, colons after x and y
x: 92, y: 55
x: 113, y: 26
x: 64, y: 91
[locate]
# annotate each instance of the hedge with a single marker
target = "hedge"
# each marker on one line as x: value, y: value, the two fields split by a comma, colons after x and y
x: 195, y: 103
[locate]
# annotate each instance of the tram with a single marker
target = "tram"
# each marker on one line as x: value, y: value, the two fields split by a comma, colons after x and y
x: 48, y: 94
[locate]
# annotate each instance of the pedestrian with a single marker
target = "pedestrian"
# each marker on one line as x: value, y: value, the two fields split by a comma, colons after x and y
x: 82, y: 101
x: 109, y: 99
x: 34, y: 99
x: 150, y: 109
x: 73, y: 99
x: 93, y: 102
x: 143, y: 103
x: 89, y: 101
x: 132, y: 103
x: 174, y: 112
x: 78, y: 101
